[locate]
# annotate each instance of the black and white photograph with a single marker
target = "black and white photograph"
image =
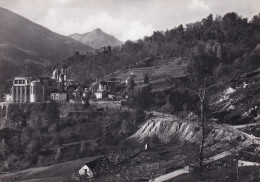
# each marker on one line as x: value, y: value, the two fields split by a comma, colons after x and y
x: 129, y: 90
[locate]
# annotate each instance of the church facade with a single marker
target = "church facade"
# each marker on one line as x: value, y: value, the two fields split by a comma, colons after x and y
x: 28, y: 89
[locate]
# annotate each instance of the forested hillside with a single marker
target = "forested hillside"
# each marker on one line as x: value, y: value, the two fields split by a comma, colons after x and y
x: 221, y: 47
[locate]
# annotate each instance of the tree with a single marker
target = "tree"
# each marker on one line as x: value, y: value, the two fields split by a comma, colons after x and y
x: 201, y: 93
x: 3, y: 143
x: 219, y: 52
x: 230, y: 23
x: 146, y: 79
x: 109, y: 48
x: 209, y: 20
x: 143, y: 97
x: 180, y: 29
x: 34, y: 145
x: 198, y: 80
x: 19, y: 116
x: 132, y: 83
x: 131, y: 86
x: 256, y: 20
x: 139, y: 115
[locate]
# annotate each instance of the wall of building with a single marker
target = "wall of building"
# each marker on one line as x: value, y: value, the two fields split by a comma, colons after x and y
x: 37, y: 92
x: 61, y: 97
x: 99, y: 95
x: 20, y: 94
x: 8, y: 97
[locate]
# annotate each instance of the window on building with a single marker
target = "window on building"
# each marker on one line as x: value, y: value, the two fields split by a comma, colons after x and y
x: 16, y: 81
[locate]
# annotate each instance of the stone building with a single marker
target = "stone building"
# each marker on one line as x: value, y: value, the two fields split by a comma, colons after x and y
x: 28, y: 89
x: 21, y: 89
x: 62, y: 97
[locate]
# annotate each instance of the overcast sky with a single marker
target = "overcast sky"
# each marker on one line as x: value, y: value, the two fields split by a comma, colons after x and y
x: 125, y: 19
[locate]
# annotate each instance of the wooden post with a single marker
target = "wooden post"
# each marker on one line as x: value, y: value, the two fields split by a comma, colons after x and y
x: 238, y: 179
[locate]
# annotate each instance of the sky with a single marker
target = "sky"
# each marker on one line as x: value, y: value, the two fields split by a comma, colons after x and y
x: 125, y: 19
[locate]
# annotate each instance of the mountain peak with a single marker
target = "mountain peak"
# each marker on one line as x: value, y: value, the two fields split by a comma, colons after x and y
x: 98, y: 30
x: 96, y: 39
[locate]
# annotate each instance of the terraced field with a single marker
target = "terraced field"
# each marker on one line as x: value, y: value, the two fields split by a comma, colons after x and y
x: 172, y: 70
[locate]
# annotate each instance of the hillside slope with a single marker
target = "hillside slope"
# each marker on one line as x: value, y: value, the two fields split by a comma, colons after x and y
x: 24, y: 44
x: 48, y: 173
x: 168, y: 128
x: 97, y: 39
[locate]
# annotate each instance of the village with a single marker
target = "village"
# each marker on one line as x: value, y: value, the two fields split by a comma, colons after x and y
x: 131, y: 91
x: 58, y: 88
x: 123, y: 87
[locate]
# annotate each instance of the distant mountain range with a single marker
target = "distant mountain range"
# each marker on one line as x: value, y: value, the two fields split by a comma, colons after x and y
x: 96, y: 39
x: 27, y: 48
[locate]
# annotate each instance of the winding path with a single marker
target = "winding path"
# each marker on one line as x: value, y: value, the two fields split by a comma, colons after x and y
x: 250, y: 140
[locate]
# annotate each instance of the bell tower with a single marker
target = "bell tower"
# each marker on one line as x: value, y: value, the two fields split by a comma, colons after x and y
x: 63, y: 75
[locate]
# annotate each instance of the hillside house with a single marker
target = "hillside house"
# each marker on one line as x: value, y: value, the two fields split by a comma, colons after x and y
x: 93, y: 167
x: 78, y: 92
x: 100, y: 94
x: 8, y: 98
x: 111, y: 96
x: 86, y: 93
x: 93, y: 87
x: 102, y: 90
x: 60, y: 97
x: 103, y: 86
x: 106, y: 88
x: 85, y: 170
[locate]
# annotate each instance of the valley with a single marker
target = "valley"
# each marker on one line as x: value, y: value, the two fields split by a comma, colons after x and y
x: 179, y: 105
